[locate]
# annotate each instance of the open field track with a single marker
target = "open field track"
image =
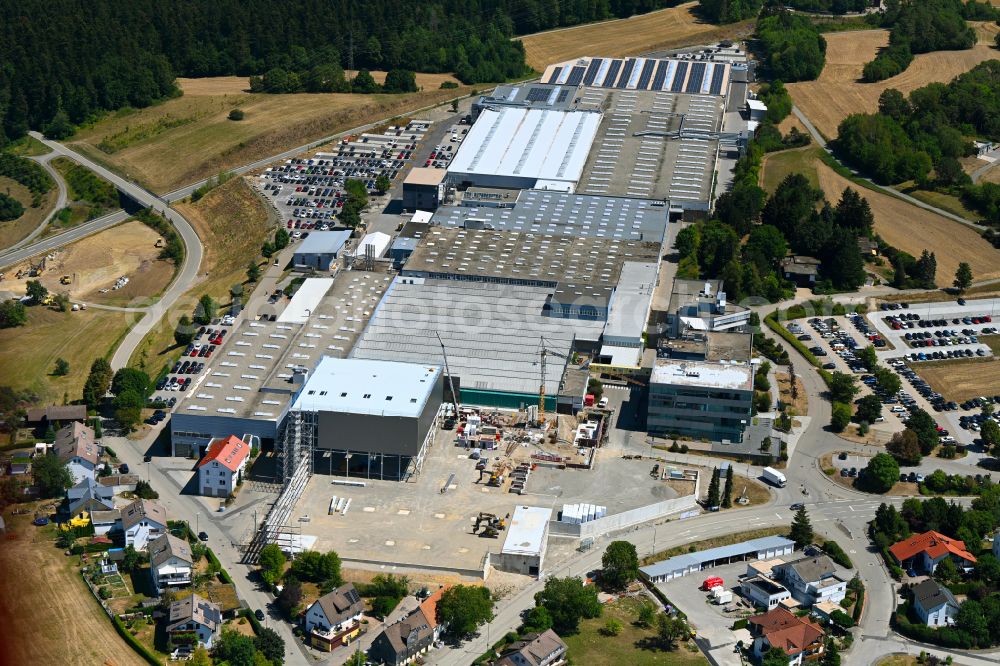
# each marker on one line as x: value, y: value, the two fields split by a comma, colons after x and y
x: 65, y: 624
x: 913, y: 230
x: 190, y: 138
x: 666, y: 28
x: 839, y: 92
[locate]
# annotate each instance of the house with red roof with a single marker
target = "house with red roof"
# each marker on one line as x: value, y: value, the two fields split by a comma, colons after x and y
x: 799, y: 637
x: 923, y: 552
x: 221, y: 470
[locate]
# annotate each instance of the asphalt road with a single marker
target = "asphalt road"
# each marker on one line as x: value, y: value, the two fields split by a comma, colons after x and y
x: 16, y: 255
x: 61, y: 198
x: 186, y: 275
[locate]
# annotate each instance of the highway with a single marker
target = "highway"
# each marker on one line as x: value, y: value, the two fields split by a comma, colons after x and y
x: 16, y: 255
x: 187, y: 272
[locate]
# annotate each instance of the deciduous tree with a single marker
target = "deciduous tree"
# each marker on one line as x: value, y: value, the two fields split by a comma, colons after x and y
x: 464, y: 608
x: 620, y: 564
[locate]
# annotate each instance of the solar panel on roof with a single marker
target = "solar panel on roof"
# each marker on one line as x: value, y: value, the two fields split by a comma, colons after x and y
x: 717, y: 75
x: 678, y: 84
x: 563, y: 94
x: 555, y: 75
x: 537, y: 94
x: 591, y: 72
x: 612, y: 76
x: 626, y: 73
x: 661, y: 73
x: 694, y: 81
x: 575, y: 76
x: 647, y: 74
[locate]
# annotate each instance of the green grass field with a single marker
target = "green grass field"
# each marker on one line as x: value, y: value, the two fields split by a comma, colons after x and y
x: 947, y: 202
x: 798, y: 160
x: 633, y: 645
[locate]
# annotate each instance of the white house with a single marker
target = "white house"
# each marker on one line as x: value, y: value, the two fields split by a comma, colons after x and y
x: 799, y: 637
x: 170, y: 561
x: 335, y: 617
x: 75, y: 446
x: 106, y: 521
x: 222, y: 467
x: 763, y: 592
x: 193, y: 614
x: 934, y: 604
x: 142, y: 521
x: 812, y: 580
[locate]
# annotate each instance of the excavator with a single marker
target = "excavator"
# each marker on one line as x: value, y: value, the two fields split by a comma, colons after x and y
x: 489, y: 525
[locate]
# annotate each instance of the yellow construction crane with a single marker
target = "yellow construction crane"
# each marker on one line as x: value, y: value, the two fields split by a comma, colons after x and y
x: 543, y: 352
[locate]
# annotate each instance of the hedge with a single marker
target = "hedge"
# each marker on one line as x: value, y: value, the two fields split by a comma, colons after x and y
x: 214, y: 561
x: 837, y: 554
x: 134, y: 643
x: 791, y: 339
x: 254, y: 622
x: 859, y: 604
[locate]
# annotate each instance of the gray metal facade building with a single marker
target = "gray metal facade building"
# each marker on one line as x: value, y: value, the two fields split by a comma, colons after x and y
x: 703, y: 400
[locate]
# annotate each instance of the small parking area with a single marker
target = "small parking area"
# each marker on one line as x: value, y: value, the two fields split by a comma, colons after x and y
x: 185, y: 371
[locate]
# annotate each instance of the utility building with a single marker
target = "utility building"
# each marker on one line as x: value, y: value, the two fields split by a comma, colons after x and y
x: 524, y: 548
x: 366, y: 418
x: 320, y: 250
x: 423, y: 188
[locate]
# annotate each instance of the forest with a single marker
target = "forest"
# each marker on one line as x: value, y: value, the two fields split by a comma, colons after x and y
x: 922, y: 27
x: 921, y: 137
x: 794, y: 50
x: 129, y: 53
x: 729, y: 11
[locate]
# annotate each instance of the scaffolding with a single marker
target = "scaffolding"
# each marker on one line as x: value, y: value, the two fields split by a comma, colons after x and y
x: 296, y: 463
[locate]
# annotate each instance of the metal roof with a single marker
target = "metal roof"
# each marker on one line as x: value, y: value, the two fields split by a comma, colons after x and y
x: 492, y: 332
x: 526, y: 144
x: 305, y: 300
x: 358, y: 386
x: 629, y: 307
x: 712, y: 554
x: 323, y: 242
x: 564, y: 214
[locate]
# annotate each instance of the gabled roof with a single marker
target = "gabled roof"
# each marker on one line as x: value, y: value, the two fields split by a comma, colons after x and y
x: 809, y: 569
x: 933, y: 543
x: 930, y: 595
x: 429, y: 606
x: 229, y: 452
x: 341, y: 603
x: 196, y: 609
x: 534, y: 649
x: 165, y: 546
x: 408, y: 632
x: 140, y: 509
x: 76, y: 441
x: 58, y: 413
x: 784, y: 630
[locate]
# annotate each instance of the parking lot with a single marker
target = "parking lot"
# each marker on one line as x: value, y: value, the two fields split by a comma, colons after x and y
x: 186, y: 370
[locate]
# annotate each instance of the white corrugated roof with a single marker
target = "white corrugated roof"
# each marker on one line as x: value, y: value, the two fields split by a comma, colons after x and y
x: 528, y: 143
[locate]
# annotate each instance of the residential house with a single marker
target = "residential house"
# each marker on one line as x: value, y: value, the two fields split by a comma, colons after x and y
x: 194, y: 619
x: 763, y: 592
x: 403, y: 641
x: 170, y: 561
x: 75, y: 445
x: 934, y: 604
x: 868, y: 247
x: 106, y: 522
x: 799, y: 637
x: 142, y: 521
x: 222, y: 467
x: 812, y: 580
x: 800, y: 269
x: 923, y: 552
x: 335, y: 618
x: 90, y: 496
x: 544, y: 649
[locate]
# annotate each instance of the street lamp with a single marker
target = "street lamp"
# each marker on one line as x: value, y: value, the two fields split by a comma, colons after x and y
x: 197, y: 522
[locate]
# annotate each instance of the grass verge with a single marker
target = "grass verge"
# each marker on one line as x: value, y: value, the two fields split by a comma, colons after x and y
x: 14, y: 230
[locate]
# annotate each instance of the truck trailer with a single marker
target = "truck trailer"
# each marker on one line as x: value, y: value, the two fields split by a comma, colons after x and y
x: 774, y: 477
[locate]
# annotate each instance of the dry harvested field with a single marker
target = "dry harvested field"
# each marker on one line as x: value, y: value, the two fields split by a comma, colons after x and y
x: 238, y: 85
x: 96, y: 262
x: 913, y: 230
x: 961, y: 380
x: 14, y: 230
x: 65, y: 625
x: 838, y: 92
x: 667, y: 28
x: 190, y: 138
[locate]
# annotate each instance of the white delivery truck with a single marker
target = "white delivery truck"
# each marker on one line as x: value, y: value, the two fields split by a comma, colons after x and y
x: 772, y: 475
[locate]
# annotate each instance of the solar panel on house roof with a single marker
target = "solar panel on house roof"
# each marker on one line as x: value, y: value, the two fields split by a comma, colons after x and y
x: 678, y: 84
x: 694, y: 81
x: 588, y: 77
x: 575, y: 76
